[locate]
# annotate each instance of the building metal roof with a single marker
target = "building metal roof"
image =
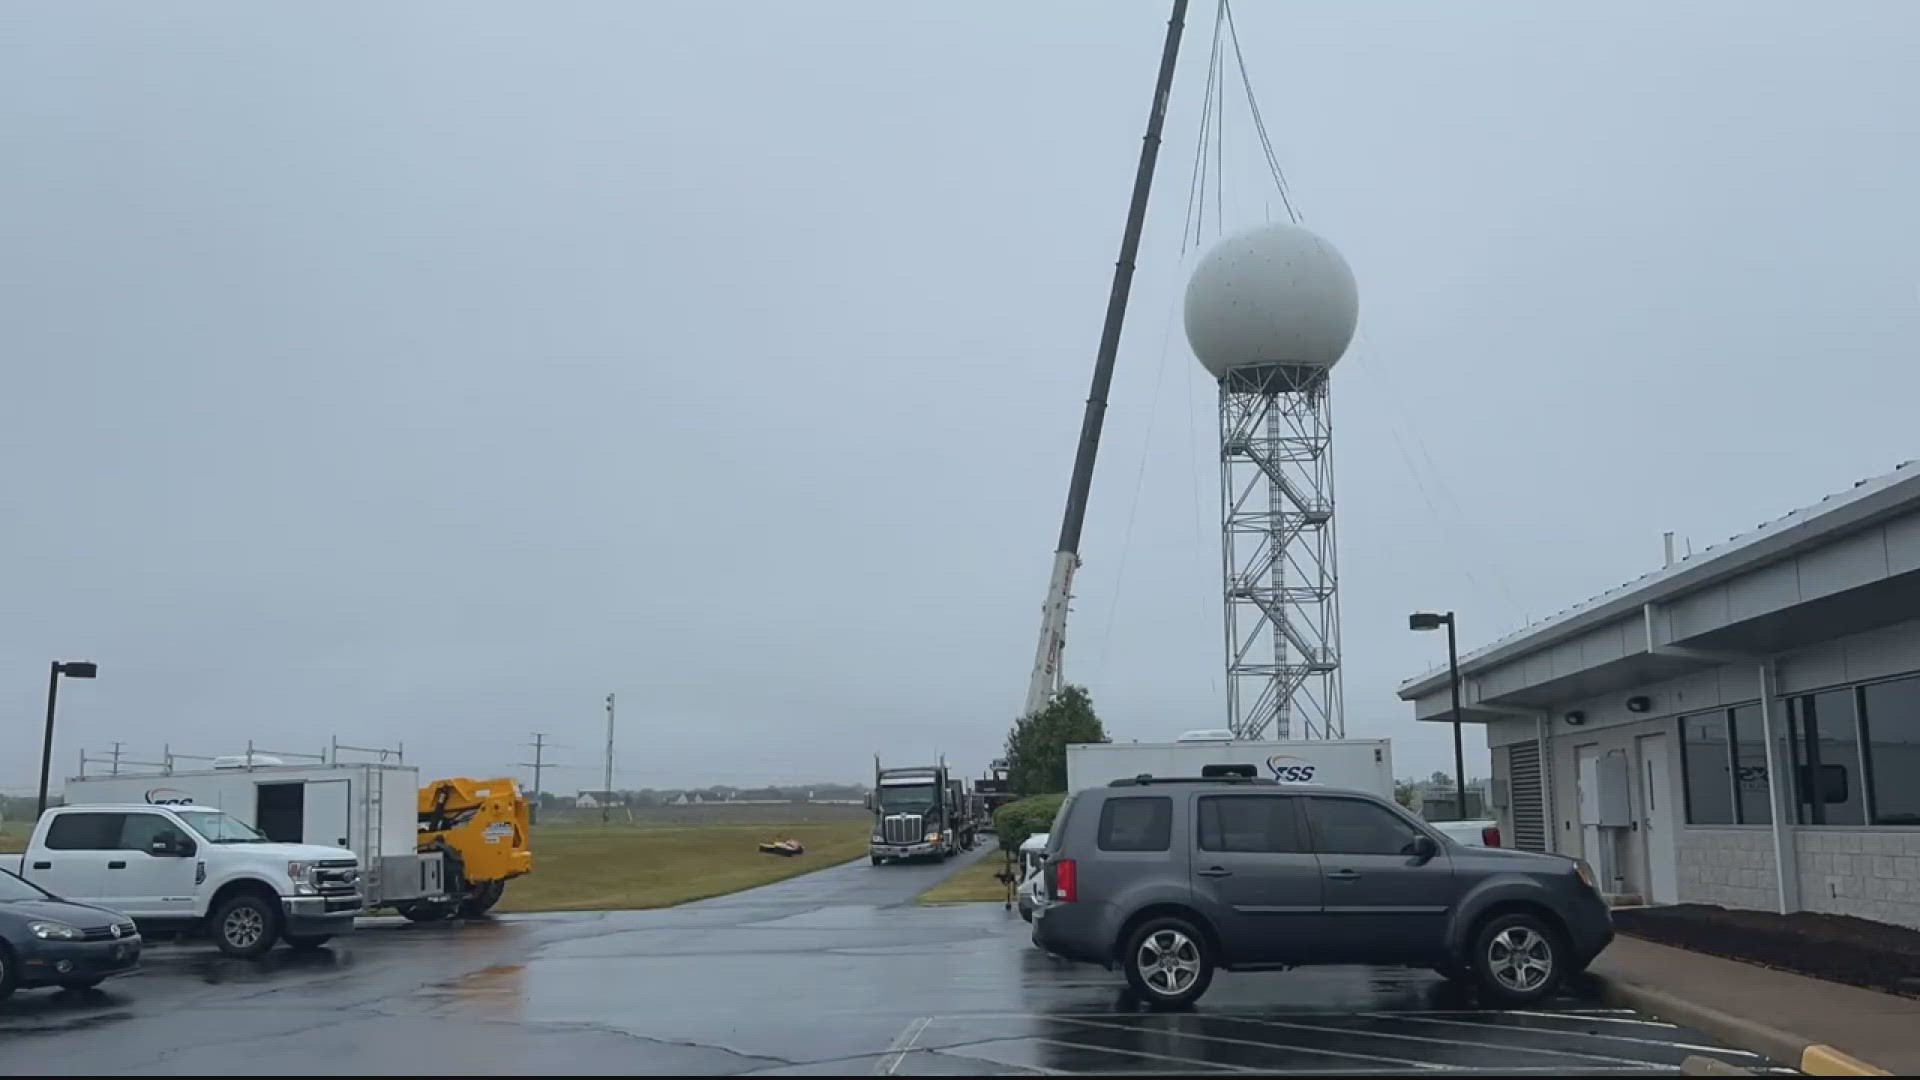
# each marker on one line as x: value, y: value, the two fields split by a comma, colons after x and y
x: 1868, y: 500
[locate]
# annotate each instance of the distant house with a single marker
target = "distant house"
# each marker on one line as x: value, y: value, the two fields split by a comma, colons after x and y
x: 593, y: 800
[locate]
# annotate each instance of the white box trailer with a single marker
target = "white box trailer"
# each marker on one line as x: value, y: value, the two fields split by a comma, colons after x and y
x: 370, y: 809
x: 1359, y: 764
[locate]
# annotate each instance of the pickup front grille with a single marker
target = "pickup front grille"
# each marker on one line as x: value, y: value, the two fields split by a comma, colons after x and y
x: 904, y: 828
x: 336, y: 877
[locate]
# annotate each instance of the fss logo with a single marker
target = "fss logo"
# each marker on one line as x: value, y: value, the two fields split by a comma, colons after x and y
x: 1291, y: 770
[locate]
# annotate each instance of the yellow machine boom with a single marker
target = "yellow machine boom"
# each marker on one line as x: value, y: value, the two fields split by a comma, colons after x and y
x: 482, y: 826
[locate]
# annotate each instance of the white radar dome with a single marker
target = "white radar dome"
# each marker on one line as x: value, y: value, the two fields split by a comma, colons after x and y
x: 1273, y: 302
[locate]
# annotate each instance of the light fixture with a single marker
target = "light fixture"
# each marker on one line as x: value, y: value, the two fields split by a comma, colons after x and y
x: 1575, y: 718
x: 1639, y: 703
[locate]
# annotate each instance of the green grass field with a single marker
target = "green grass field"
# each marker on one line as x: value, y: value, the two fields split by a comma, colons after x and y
x: 674, y: 855
x: 656, y: 858
x: 972, y: 885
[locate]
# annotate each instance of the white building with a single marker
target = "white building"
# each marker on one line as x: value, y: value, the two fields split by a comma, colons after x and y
x: 1741, y: 727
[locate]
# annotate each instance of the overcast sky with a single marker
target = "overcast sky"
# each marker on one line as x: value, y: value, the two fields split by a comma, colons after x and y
x: 427, y: 371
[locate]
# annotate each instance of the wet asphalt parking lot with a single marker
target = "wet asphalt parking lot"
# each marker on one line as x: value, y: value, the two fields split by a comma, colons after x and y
x: 836, y: 972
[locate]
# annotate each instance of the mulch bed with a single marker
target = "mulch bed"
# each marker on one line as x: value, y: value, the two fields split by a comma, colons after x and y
x: 1838, y: 948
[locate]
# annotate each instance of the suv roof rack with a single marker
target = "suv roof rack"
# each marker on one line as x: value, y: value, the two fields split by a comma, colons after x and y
x: 1148, y: 779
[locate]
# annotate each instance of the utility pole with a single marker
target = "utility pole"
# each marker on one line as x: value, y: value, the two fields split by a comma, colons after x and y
x: 538, y: 763
x: 606, y: 789
x: 116, y: 759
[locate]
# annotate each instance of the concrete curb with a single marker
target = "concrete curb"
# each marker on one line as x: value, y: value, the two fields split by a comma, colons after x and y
x: 1783, y: 1047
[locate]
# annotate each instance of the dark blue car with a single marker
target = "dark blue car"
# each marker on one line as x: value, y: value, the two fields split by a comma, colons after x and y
x: 46, y: 941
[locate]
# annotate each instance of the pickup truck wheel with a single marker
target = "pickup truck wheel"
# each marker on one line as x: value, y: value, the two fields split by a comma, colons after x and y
x: 1167, y: 963
x: 306, y: 942
x: 1518, y: 959
x: 9, y: 978
x: 246, y: 925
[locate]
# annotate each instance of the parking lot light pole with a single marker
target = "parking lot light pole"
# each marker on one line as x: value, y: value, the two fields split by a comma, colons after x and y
x: 1429, y: 621
x: 72, y: 669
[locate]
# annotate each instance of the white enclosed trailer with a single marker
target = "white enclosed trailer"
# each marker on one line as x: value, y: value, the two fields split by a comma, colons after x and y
x: 1359, y: 764
x: 370, y: 808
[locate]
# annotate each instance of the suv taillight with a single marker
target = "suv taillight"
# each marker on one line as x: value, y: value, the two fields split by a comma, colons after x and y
x: 1490, y: 836
x: 1066, y: 880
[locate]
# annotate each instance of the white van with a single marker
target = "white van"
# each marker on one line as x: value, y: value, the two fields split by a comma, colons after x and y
x: 1033, y: 852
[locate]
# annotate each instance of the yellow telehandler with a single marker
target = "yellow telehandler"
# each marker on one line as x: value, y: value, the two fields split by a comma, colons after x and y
x: 482, y: 828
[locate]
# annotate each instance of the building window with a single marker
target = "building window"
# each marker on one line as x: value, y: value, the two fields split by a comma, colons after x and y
x: 1752, y: 798
x: 1706, y: 768
x: 1891, y: 720
x: 1826, y: 759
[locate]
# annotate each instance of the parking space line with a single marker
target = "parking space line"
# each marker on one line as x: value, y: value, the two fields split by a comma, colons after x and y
x: 901, y: 1046
x: 1410, y: 1063
x: 962, y: 1053
x: 1595, y: 1017
x: 1575, y: 1034
x: 1190, y: 1063
x: 1470, y: 1044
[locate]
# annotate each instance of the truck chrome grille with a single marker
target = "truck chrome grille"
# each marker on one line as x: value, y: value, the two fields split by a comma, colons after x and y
x: 904, y: 828
x: 336, y: 876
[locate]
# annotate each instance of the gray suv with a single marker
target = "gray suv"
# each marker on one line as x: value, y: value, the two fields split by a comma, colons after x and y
x: 1172, y: 878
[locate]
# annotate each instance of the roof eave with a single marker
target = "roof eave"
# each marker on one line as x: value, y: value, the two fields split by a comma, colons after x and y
x: 1861, y: 513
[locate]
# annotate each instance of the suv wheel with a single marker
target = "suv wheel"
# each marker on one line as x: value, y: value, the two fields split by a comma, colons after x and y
x: 245, y: 926
x: 1518, y: 959
x: 1167, y: 963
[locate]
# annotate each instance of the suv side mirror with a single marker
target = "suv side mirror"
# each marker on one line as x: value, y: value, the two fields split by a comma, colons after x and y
x: 1425, y: 847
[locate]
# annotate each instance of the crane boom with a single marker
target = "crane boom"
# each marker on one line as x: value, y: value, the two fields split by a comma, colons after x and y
x: 1047, y: 668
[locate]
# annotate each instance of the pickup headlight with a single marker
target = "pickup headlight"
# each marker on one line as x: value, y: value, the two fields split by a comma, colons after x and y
x: 54, y: 931
x: 301, y: 874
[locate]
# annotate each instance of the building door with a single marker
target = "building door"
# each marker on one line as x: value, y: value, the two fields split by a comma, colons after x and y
x: 1657, y: 820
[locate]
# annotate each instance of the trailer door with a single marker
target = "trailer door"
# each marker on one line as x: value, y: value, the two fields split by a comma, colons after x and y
x: 327, y: 804
x: 280, y: 811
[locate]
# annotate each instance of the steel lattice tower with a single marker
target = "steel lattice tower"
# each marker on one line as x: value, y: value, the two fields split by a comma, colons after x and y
x: 1269, y: 312
x: 1281, y: 590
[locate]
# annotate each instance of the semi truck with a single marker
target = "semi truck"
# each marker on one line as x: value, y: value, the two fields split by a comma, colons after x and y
x: 995, y: 790
x: 1358, y: 764
x: 914, y: 813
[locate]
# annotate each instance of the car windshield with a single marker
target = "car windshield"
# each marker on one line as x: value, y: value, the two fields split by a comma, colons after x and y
x: 219, y: 827
x: 906, y: 798
x: 12, y: 889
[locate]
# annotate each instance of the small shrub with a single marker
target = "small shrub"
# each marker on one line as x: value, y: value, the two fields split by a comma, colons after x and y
x: 1019, y: 819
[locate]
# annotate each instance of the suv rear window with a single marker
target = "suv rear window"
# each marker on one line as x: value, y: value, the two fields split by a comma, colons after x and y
x: 1136, y: 823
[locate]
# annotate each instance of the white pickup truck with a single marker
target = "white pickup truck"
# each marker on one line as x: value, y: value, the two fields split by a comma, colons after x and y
x: 195, y: 869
